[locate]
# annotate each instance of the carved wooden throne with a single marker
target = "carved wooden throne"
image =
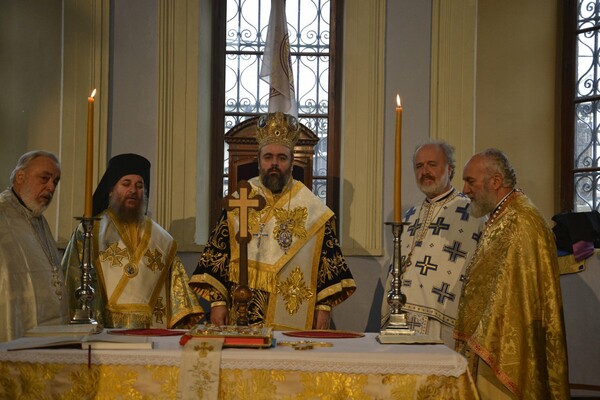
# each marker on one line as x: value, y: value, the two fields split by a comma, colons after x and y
x: 243, y: 154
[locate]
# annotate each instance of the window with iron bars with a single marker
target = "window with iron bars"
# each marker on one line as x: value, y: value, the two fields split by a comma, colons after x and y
x: 239, y: 43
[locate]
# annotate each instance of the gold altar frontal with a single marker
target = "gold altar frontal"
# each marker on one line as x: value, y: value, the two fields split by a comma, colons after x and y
x: 351, y: 368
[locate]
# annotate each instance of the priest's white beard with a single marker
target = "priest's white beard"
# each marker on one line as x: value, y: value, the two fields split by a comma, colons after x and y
x: 483, y: 204
x: 30, y: 201
x: 434, y: 188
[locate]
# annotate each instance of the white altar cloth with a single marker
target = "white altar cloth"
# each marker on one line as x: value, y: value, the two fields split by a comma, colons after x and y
x: 357, y: 355
x: 351, y: 368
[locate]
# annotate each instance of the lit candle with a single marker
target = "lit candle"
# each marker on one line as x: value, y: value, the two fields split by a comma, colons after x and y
x: 398, y: 163
x: 89, y: 162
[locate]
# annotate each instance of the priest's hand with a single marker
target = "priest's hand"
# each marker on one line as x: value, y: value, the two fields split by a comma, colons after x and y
x: 218, y: 315
x: 322, y: 319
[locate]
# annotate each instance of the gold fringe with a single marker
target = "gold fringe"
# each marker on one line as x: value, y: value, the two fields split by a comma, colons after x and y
x: 257, y: 279
x: 128, y: 320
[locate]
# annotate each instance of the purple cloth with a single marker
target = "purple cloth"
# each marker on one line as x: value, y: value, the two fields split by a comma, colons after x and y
x: 583, y: 250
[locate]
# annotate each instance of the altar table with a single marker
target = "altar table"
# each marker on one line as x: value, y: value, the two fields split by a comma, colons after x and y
x: 358, y: 368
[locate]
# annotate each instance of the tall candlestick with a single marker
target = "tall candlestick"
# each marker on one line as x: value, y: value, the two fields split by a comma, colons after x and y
x: 398, y: 164
x: 89, y: 161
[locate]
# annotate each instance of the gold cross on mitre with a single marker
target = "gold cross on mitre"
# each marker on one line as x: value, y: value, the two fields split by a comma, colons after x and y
x: 242, y: 293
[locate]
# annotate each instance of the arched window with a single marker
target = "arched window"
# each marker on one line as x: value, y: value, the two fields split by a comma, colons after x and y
x: 581, y: 107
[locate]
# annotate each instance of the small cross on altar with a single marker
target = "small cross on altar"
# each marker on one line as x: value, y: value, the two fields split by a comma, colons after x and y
x: 242, y: 294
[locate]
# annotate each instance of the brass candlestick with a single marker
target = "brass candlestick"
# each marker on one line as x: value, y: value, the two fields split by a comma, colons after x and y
x: 396, y: 324
x: 85, y: 292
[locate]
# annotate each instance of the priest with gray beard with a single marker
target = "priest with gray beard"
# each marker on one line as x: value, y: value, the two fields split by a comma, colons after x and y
x: 31, y: 284
x: 139, y: 280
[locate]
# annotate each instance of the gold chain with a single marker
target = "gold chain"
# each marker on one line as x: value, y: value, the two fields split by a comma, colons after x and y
x: 499, y: 208
x: 263, y: 219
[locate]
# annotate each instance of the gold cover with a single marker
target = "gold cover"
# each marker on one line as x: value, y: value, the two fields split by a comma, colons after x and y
x: 77, y: 381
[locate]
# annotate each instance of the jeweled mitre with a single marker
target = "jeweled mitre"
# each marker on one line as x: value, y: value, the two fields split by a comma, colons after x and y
x: 277, y: 128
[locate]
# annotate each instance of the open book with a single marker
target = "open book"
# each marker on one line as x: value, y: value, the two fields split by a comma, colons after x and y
x: 64, y: 330
x: 98, y: 341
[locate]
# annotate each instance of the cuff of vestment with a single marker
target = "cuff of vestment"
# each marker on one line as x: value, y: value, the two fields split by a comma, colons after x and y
x: 323, y: 307
x: 218, y: 303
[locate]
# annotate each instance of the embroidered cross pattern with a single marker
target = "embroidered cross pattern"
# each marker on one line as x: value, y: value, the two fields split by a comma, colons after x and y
x: 159, y: 310
x: 114, y: 254
x: 414, y: 323
x: 426, y: 265
x: 438, y: 226
x: 464, y: 212
x: 203, y: 349
x: 454, y: 251
x: 442, y: 293
x: 409, y: 214
x: 154, y: 260
x: 414, y: 227
x: 476, y: 236
x: 294, y: 291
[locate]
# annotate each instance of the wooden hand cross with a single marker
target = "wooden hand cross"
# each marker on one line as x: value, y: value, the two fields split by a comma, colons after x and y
x: 242, y: 293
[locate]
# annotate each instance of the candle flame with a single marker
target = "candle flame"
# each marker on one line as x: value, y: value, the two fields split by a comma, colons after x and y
x: 398, y: 100
x: 93, y: 93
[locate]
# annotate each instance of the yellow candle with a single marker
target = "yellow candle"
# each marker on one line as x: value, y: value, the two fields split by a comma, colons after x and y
x: 89, y: 161
x: 398, y: 164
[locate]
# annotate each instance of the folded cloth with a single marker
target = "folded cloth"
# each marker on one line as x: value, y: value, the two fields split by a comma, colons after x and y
x: 148, y: 332
x: 582, y: 250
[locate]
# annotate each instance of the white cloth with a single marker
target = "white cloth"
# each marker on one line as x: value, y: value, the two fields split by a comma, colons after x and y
x: 31, y: 282
x: 362, y: 355
x: 199, y: 370
x: 276, y: 68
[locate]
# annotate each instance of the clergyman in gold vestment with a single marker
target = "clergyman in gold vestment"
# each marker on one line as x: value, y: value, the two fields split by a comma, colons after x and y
x: 510, y: 321
x: 141, y: 283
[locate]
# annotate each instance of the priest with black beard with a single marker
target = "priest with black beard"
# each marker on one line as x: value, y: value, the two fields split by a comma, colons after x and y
x: 139, y: 280
x: 296, y: 269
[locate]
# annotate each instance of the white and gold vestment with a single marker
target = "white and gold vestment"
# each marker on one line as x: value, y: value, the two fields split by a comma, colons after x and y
x: 31, y: 284
x: 295, y: 265
x: 141, y: 283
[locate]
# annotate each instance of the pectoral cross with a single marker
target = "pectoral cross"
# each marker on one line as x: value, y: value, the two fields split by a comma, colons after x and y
x: 242, y: 294
x: 260, y: 234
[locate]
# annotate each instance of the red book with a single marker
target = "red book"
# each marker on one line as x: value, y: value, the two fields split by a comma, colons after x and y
x: 232, y: 336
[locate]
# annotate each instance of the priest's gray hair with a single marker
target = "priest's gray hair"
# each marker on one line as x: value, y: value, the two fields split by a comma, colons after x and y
x: 446, y: 148
x: 497, y: 163
x: 27, y: 158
